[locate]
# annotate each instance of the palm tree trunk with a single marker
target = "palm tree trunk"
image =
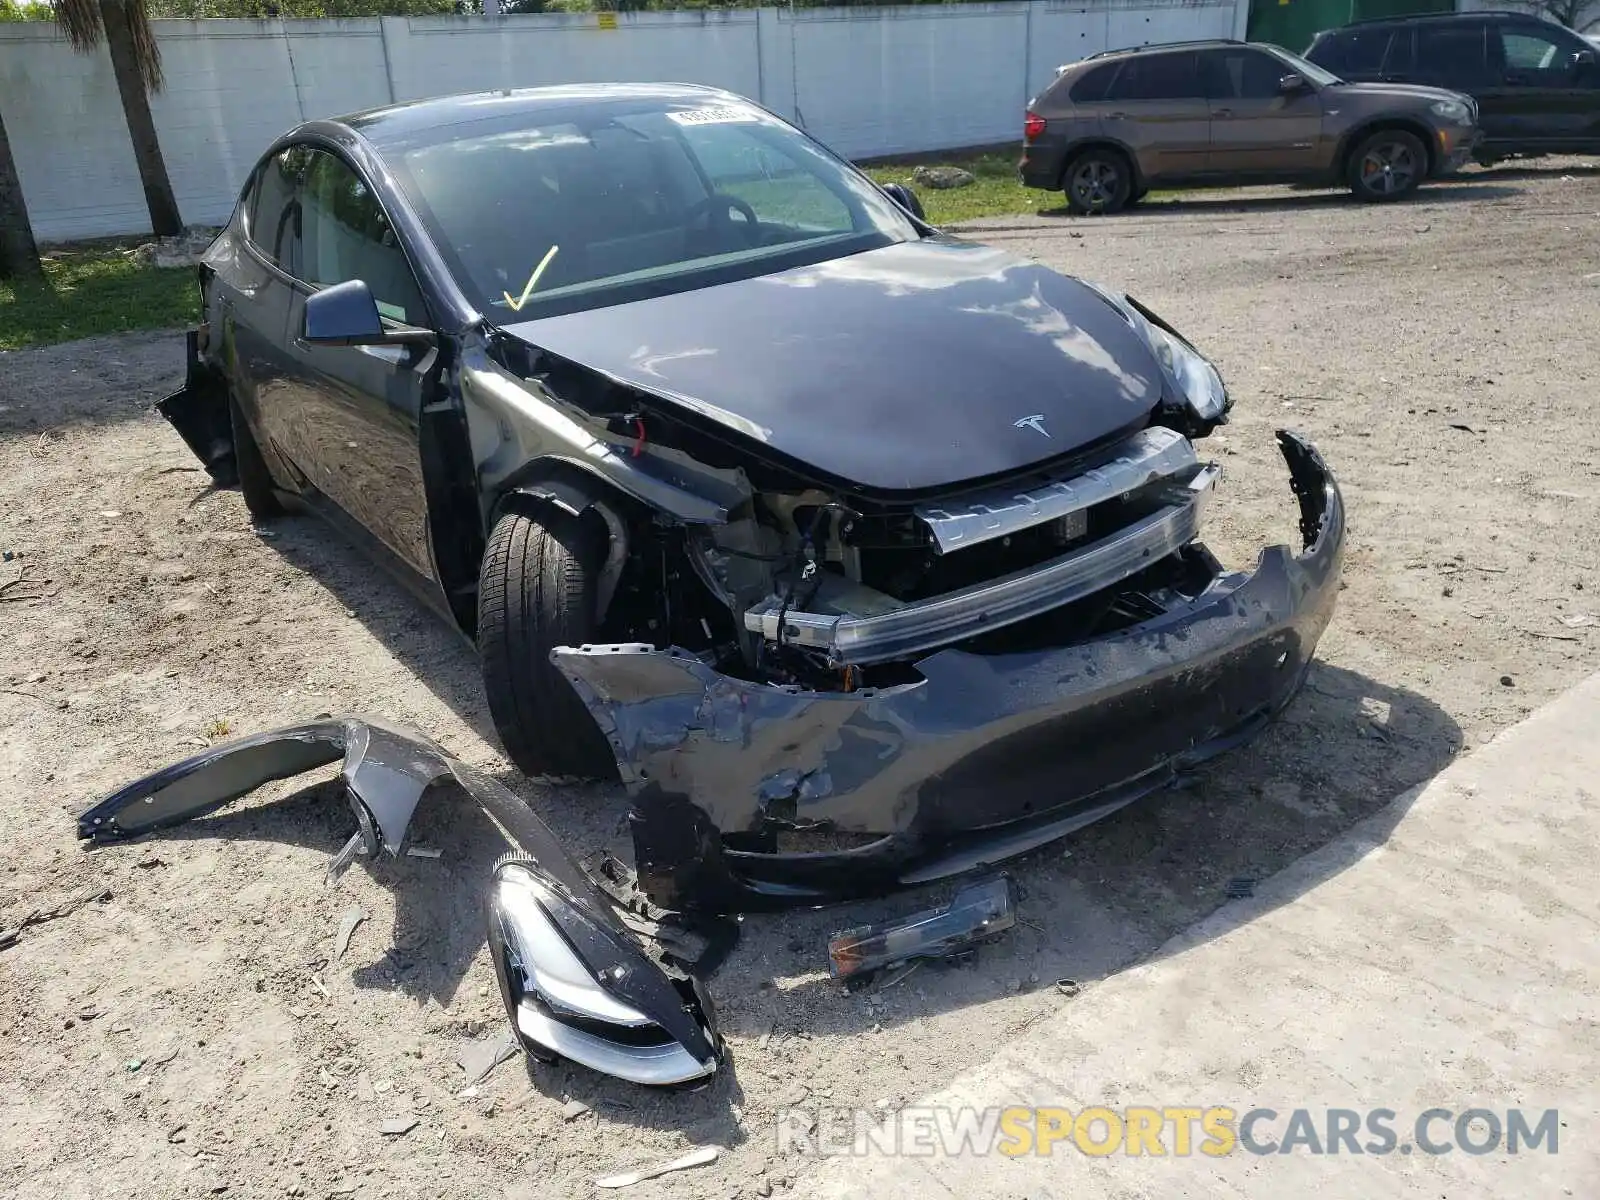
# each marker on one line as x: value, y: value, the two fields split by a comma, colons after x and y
x: 19, y: 256
x: 158, y: 196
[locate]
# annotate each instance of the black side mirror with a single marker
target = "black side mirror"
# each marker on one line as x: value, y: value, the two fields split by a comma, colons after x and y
x: 345, y: 314
x: 1290, y: 84
x: 905, y: 198
x: 1584, y: 58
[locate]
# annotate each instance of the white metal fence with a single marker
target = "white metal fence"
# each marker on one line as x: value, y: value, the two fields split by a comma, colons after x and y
x: 868, y: 81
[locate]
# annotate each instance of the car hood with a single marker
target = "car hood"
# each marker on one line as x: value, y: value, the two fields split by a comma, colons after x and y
x: 904, y: 368
x: 1402, y: 92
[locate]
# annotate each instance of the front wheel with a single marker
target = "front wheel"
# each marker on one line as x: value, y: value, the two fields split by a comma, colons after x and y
x: 1387, y: 165
x: 536, y: 591
x: 1098, y: 181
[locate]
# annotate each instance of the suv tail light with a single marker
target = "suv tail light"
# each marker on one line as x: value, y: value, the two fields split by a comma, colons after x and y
x: 1032, y: 126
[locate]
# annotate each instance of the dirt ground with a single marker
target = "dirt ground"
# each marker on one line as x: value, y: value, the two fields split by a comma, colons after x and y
x: 196, y: 1033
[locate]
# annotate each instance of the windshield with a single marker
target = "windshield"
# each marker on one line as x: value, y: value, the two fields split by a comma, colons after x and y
x: 608, y: 202
x: 1316, y: 74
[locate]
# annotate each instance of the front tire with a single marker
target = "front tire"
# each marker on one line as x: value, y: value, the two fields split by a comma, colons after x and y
x: 1387, y: 165
x: 255, y: 480
x: 1098, y: 182
x: 536, y: 591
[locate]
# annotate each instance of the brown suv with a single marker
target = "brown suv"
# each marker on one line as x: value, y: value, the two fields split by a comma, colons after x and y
x: 1208, y: 114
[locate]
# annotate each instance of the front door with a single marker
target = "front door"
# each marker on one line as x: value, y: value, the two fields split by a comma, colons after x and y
x: 1547, y: 94
x: 1258, y: 129
x: 360, y: 406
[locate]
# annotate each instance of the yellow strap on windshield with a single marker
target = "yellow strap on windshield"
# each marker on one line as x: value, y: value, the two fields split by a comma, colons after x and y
x: 533, y: 281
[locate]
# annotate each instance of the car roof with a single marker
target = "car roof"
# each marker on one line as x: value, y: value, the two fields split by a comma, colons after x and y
x: 1158, y: 47
x: 1414, y: 18
x: 398, y: 122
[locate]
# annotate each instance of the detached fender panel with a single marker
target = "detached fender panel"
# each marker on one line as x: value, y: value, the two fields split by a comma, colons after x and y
x: 576, y: 983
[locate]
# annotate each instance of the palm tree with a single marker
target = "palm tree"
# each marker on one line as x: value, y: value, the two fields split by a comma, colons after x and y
x: 19, y: 256
x: 136, y: 62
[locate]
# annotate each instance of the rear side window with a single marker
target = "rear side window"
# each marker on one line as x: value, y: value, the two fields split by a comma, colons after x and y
x: 1094, y: 84
x: 1452, y: 52
x: 1159, y: 77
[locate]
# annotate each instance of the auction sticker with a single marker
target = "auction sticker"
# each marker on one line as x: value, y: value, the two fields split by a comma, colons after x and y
x: 713, y: 116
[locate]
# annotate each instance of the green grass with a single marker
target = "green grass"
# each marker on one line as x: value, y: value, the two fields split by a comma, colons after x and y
x: 996, y: 194
x: 94, y: 289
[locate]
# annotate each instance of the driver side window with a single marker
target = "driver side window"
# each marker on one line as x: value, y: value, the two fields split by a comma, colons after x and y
x: 345, y: 235
x: 738, y: 163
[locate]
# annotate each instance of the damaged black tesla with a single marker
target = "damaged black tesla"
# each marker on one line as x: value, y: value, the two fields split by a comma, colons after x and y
x: 863, y: 554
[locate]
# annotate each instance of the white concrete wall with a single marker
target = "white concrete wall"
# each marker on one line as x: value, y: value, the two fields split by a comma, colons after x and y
x: 868, y: 81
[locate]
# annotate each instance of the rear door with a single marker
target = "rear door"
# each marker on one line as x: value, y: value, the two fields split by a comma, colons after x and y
x: 1547, y: 94
x: 359, y: 407
x: 1157, y: 107
x: 1257, y: 129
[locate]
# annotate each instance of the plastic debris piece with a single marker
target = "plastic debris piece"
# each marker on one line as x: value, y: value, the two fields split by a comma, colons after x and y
x: 704, y: 1156
x: 1241, y: 887
x: 398, y: 1126
x: 573, y: 1109
x: 478, y: 1058
x: 353, y: 916
x: 977, y: 912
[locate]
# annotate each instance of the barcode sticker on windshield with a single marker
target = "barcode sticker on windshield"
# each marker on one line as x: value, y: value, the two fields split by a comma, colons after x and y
x: 712, y: 116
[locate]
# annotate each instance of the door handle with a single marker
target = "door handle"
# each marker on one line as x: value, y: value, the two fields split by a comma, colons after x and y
x: 1118, y: 116
x: 1222, y: 112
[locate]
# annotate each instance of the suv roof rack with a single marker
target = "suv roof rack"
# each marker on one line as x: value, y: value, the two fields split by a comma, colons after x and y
x: 1163, y: 46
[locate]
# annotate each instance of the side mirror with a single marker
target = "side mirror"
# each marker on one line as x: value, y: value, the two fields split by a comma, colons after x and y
x: 1584, y: 58
x: 345, y: 314
x: 1290, y: 84
x: 906, y: 199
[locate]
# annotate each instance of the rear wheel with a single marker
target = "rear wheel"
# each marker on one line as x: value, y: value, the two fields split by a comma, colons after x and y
x: 1098, y: 181
x: 536, y: 591
x: 255, y: 481
x: 1387, y: 165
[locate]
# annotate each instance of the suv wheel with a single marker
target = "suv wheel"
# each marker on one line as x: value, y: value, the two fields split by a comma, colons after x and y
x: 1387, y: 165
x: 1098, y: 181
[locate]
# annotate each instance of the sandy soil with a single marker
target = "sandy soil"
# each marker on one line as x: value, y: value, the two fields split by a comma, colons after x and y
x: 195, y: 1034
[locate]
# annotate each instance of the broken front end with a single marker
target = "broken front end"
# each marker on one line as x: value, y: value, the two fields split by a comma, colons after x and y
x: 881, y: 697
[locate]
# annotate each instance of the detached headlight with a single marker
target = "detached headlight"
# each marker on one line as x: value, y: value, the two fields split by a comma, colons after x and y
x: 1451, y: 110
x: 1197, y: 380
x: 1192, y: 376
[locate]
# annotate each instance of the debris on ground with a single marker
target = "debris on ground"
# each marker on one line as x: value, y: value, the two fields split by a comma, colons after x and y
x: 353, y: 916
x: 977, y: 912
x: 1068, y: 987
x: 1241, y: 887
x: 704, y: 1156
x: 478, y: 1057
x: 573, y: 1109
x: 41, y: 916
x: 940, y: 178
x: 398, y: 1126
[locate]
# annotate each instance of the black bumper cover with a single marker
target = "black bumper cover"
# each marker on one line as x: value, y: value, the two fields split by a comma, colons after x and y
x: 986, y: 757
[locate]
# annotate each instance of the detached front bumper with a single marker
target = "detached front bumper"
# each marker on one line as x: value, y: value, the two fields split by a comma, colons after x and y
x: 985, y: 757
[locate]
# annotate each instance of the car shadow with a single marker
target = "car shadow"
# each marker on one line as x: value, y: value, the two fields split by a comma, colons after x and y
x: 1209, y: 202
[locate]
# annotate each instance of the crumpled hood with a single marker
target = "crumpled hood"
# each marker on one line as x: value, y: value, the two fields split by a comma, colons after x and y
x: 905, y: 368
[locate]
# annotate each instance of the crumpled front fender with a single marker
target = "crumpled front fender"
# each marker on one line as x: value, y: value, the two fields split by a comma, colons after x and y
x: 386, y: 771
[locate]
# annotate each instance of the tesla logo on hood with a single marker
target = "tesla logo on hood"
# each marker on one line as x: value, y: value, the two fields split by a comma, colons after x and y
x: 1035, y: 423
